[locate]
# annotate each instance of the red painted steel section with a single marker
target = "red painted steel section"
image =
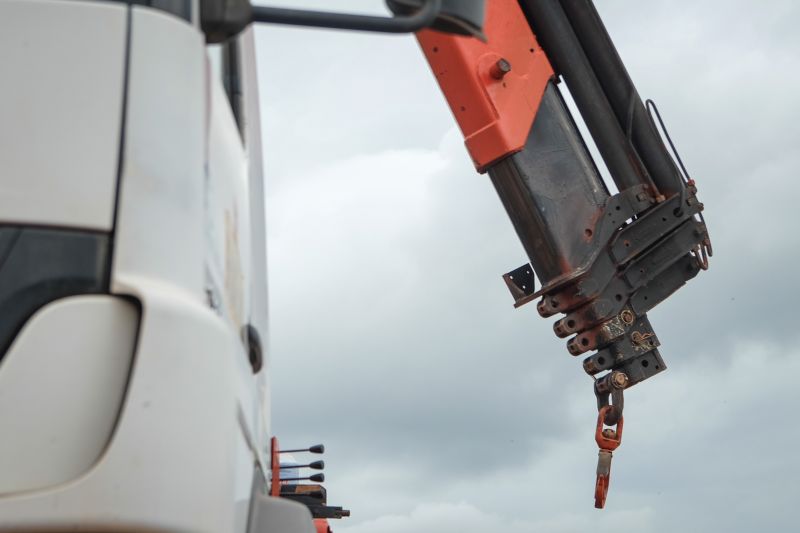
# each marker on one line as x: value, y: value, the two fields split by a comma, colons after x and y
x: 275, y: 466
x: 493, y: 104
x: 607, y: 441
x: 322, y: 526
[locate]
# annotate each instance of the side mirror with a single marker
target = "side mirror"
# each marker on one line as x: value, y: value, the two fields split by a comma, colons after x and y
x: 461, y: 17
x: 222, y: 19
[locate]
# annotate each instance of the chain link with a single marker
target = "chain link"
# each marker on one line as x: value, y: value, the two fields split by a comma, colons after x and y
x: 610, y: 387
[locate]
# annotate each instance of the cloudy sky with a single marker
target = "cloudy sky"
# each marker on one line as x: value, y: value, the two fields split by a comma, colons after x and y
x: 394, y: 340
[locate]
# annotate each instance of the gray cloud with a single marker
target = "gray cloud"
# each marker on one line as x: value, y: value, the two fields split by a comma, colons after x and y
x: 393, y: 338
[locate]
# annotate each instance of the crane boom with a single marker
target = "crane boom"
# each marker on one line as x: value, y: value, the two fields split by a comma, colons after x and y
x: 604, y: 260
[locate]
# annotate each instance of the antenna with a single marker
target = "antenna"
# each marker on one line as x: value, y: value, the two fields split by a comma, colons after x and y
x: 317, y: 448
x: 316, y: 465
x: 317, y: 478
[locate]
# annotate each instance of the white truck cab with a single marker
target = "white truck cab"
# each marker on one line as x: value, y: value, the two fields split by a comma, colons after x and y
x: 133, y: 388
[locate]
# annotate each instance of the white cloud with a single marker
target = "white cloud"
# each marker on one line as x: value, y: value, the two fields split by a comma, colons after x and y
x: 465, y: 518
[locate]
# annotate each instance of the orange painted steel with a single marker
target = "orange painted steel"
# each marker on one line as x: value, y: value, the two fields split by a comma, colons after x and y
x: 607, y: 441
x: 493, y: 88
x: 601, y: 491
x: 322, y: 526
x: 275, y: 467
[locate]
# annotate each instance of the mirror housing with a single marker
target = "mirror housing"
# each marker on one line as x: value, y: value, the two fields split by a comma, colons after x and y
x: 460, y: 17
x: 222, y: 19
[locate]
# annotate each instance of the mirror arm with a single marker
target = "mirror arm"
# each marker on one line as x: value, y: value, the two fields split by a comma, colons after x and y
x: 422, y: 18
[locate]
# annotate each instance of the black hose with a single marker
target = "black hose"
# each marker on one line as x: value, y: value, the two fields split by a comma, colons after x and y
x: 562, y: 46
x: 621, y: 93
x: 683, y: 178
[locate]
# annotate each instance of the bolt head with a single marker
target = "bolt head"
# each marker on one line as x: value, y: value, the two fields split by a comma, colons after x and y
x: 627, y: 317
x: 500, y: 69
x: 619, y: 380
